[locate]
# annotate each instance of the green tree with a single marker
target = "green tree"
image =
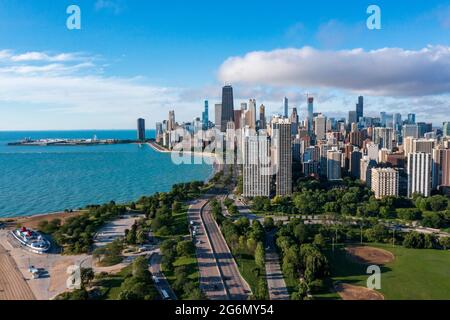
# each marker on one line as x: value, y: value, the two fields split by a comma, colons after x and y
x: 260, y: 255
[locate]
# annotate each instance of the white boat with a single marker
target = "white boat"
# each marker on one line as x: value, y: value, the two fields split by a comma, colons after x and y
x: 33, y: 240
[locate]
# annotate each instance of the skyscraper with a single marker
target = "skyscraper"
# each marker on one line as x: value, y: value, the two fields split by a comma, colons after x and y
x: 205, y: 117
x: 141, y: 129
x: 218, y: 115
x: 171, y: 122
x: 282, y: 148
x: 334, y: 160
x: 227, y: 113
x: 411, y: 118
x: 446, y: 129
x: 262, y: 117
x: 385, y: 182
x: 360, y: 108
x: 286, y: 107
x: 320, y: 127
x: 310, y: 113
x: 419, y: 174
x: 383, y: 137
x: 352, y: 118
x: 256, y: 165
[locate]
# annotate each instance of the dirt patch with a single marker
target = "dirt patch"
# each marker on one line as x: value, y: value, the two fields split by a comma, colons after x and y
x: 32, y: 222
x: 369, y: 255
x: 350, y: 292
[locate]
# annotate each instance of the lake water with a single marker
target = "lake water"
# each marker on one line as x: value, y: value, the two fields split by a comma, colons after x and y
x: 36, y: 180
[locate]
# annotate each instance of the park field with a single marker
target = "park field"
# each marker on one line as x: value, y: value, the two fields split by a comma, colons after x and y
x: 414, y: 274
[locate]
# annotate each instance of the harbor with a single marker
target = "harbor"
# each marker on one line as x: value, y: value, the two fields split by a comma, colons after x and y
x: 69, y: 142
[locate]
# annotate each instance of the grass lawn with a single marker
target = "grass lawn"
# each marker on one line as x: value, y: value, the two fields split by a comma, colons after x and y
x: 192, y: 269
x: 111, y: 283
x: 248, y: 269
x: 414, y: 274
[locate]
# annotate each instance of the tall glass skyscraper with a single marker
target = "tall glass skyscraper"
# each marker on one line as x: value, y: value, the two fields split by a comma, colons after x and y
x: 360, y: 108
x: 227, y: 113
x: 205, y: 116
x: 141, y: 129
x: 286, y: 107
x: 310, y: 113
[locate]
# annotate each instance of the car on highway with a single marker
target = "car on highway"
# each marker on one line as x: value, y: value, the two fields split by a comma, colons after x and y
x: 165, y: 294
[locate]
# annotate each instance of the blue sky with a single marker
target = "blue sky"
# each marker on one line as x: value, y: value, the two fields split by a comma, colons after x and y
x: 141, y: 58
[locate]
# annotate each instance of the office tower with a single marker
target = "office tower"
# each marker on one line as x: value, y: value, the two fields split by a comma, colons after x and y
x: 334, y: 160
x: 385, y: 182
x: 355, y: 163
x: 281, y: 133
x: 320, y: 127
x: 383, y: 137
x: 310, y: 114
x: 294, y: 121
x: 383, y: 118
x: 227, y: 113
x: 446, y: 129
x: 410, y: 130
x: 286, y: 107
x: 397, y: 122
x: 389, y: 120
x: 256, y: 165
x: 141, y: 129
x: 365, y: 170
x: 250, y: 115
x: 352, y: 116
x: 218, y: 115
x: 262, y: 117
x: 355, y: 136
x: 372, y: 151
x: 419, y: 174
x: 424, y: 128
x: 205, y: 116
x: 360, y: 108
x: 158, y: 129
x: 411, y: 118
x: 171, y: 122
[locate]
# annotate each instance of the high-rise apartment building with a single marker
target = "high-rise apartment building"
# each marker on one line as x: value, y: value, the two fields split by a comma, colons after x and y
x: 218, y: 115
x: 383, y: 137
x: 310, y: 114
x: 385, y: 182
x: 256, y: 165
x: 334, y: 161
x: 282, y: 152
x: 419, y: 174
x: 365, y: 170
x: 320, y: 127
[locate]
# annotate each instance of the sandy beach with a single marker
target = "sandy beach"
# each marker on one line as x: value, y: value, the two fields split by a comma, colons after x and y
x: 217, y: 164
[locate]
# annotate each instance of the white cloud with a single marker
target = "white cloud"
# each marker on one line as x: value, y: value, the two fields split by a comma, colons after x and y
x: 67, y: 90
x: 383, y: 72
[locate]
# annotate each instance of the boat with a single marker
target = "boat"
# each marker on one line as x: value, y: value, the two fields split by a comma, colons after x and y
x: 31, y: 239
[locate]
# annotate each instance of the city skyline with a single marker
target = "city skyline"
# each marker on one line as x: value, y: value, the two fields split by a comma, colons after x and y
x: 95, y: 78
